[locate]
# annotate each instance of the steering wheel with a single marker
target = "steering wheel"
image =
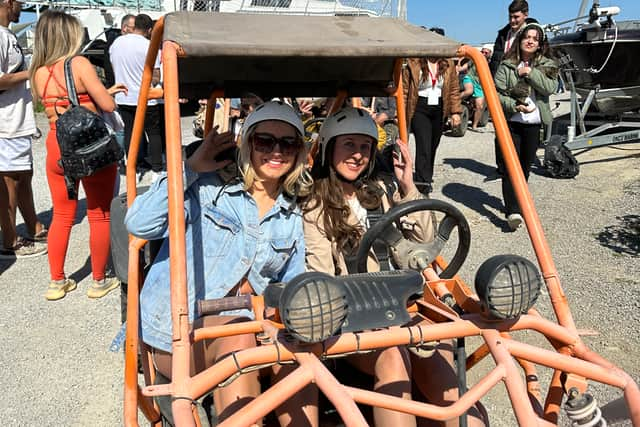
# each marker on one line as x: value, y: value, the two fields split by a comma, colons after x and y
x: 412, y: 255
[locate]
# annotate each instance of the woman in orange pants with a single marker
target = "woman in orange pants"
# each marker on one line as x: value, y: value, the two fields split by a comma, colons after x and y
x: 58, y: 37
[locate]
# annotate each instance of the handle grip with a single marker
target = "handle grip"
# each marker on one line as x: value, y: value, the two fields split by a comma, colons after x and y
x: 214, y: 306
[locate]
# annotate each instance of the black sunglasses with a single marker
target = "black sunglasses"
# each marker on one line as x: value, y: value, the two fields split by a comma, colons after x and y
x: 266, y: 143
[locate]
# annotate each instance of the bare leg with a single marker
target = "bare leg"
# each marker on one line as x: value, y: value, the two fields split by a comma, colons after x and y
x: 26, y: 203
x: 239, y: 392
x: 436, y: 379
x: 392, y: 375
x: 8, y: 204
x: 477, y: 114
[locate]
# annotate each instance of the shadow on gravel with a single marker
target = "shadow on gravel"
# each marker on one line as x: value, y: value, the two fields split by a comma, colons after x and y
x: 623, y: 238
x: 45, y: 217
x: 478, y: 200
x: 471, y: 165
x: 83, y: 272
x: 6, y: 264
x: 616, y: 411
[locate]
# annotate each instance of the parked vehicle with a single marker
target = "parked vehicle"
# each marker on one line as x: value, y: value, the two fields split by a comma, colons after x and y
x: 205, y: 54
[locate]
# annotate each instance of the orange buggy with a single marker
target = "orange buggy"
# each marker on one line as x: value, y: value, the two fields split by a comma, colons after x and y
x: 223, y: 55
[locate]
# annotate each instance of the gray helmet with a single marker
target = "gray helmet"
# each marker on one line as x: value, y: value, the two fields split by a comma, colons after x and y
x: 347, y: 121
x: 272, y: 110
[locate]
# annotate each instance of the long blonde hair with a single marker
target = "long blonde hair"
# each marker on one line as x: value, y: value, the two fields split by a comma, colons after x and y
x: 297, y: 182
x: 58, y: 36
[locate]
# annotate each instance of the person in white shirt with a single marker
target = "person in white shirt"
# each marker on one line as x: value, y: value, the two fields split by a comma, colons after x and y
x: 128, y: 53
x: 17, y: 125
x: 127, y: 24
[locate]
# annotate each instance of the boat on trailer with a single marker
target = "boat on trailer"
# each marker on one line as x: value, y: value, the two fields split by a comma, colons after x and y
x: 601, y: 56
x: 598, y: 60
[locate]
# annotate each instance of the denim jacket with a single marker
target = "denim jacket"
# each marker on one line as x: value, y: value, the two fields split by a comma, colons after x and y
x: 225, y: 241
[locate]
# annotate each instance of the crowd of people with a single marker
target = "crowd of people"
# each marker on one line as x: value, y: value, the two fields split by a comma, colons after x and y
x: 274, y: 216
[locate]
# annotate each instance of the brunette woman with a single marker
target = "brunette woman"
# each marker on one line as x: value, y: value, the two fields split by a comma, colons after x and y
x: 526, y: 77
x: 346, y: 187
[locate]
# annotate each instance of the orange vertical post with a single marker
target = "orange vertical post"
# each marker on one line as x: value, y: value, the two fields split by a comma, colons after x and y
x: 401, y: 108
x: 131, y: 396
x: 534, y: 226
x: 178, y: 275
x: 141, y: 110
x: 211, y: 106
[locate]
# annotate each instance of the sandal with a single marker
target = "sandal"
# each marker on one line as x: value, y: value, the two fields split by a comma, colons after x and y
x: 40, y: 237
x: 23, y: 249
x: 59, y: 288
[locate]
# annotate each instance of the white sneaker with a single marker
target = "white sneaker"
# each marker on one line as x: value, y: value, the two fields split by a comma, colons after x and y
x: 515, y: 221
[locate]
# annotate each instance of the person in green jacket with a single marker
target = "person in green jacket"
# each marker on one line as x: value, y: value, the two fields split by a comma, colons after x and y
x: 525, y: 78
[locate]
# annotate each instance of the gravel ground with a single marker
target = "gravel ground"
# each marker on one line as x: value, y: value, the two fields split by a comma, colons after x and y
x: 58, y: 370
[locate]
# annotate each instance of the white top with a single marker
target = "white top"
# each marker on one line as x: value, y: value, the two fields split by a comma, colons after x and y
x: 359, y: 212
x: 532, y: 118
x: 128, y: 54
x: 431, y: 87
x: 16, y: 110
x: 508, y: 44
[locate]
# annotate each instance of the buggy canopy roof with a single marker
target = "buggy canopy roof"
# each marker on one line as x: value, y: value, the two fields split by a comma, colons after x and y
x: 287, y: 55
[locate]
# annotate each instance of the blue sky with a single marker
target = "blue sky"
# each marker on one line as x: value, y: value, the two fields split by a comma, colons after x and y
x: 477, y: 21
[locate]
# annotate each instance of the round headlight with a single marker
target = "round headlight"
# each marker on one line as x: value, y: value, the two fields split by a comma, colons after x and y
x: 508, y: 286
x: 313, y: 306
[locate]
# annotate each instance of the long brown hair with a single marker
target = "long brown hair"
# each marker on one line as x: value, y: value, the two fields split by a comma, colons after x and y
x: 327, y: 194
x: 515, y: 55
x: 58, y: 36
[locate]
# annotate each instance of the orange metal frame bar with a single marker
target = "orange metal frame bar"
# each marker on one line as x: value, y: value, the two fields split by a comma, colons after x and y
x: 534, y: 226
x: 185, y: 388
x: 502, y: 348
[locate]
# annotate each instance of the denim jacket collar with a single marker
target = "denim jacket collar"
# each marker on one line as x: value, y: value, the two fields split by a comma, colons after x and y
x: 283, y: 202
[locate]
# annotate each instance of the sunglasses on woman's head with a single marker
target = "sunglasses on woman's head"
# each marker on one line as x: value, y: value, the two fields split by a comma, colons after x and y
x: 266, y: 143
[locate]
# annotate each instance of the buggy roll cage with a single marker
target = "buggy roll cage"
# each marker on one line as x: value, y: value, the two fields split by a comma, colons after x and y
x: 325, y: 56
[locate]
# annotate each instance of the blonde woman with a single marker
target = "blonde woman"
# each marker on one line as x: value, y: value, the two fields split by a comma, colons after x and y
x: 58, y: 37
x: 252, y: 219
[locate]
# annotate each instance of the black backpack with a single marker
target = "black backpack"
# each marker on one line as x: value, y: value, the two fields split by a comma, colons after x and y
x: 558, y: 160
x: 86, y: 143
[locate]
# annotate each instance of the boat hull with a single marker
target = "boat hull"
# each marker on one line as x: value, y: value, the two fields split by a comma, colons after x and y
x: 606, y: 61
